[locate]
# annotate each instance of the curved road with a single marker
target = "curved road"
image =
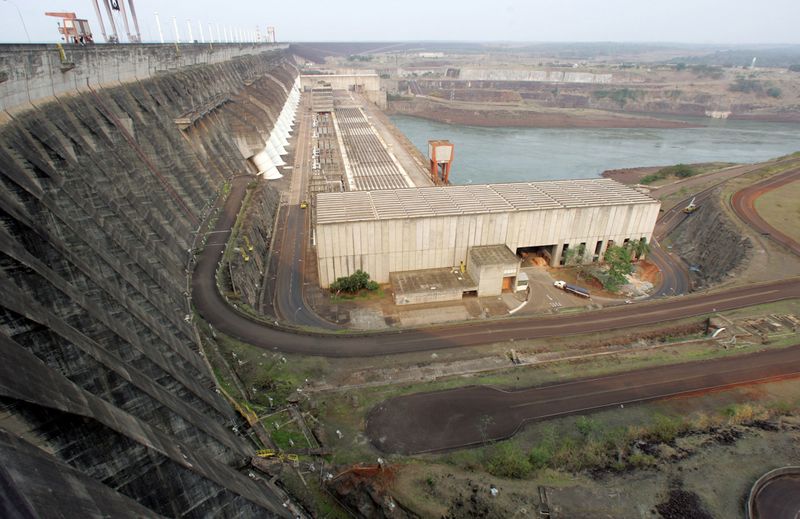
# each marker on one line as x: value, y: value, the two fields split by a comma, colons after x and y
x: 743, y: 202
x: 213, y: 307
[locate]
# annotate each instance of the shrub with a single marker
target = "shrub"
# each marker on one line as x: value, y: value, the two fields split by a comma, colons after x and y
x: 682, y: 171
x: 746, y: 86
x: 353, y: 283
x: 640, y: 460
x: 586, y: 426
x: 540, y: 457
x: 707, y: 71
x: 508, y: 461
x: 665, y: 428
x: 774, y: 92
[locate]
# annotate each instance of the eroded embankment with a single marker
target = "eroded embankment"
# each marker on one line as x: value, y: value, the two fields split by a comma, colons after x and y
x: 101, y: 194
x: 712, y: 246
x: 461, y: 114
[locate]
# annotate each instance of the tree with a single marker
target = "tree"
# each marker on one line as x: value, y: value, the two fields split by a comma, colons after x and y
x: 683, y: 171
x: 640, y: 248
x: 353, y: 283
x: 619, y: 264
x: 577, y: 258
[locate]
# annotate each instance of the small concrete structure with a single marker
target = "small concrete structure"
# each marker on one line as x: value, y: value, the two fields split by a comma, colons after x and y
x: 368, y: 84
x: 494, y: 268
x: 430, y: 286
x: 322, y: 98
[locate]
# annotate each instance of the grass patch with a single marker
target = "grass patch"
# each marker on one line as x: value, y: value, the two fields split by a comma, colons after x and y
x: 288, y: 438
x: 362, y: 295
x: 269, y: 377
x: 781, y: 209
x: 676, y: 171
x: 576, y: 444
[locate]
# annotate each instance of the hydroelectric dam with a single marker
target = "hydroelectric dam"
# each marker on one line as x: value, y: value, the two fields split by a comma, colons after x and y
x: 111, y: 159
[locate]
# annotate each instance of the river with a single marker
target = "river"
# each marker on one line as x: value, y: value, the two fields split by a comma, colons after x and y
x: 486, y: 155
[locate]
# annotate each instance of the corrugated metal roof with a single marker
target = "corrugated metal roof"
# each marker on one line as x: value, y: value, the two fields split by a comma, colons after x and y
x: 423, y: 202
x: 369, y: 164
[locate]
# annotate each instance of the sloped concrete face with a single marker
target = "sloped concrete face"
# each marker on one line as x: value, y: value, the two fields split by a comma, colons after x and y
x: 101, y: 380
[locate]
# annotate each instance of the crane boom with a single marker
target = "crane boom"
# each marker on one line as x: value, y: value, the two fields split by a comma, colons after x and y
x: 65, y: 16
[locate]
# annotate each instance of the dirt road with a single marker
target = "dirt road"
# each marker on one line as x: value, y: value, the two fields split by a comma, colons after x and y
x: 425, y: 422
x: 743, y: 202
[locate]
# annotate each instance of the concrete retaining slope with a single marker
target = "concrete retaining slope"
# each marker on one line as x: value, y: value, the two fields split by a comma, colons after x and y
x: 101, y: 193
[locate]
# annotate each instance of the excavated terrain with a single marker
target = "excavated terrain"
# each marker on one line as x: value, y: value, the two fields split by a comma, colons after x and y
x: 710, y: 244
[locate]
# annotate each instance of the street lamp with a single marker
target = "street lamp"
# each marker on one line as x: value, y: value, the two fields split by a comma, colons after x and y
x: 20, y: 19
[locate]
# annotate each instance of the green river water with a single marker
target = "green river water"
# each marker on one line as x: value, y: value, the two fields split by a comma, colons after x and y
x: 486, y: 155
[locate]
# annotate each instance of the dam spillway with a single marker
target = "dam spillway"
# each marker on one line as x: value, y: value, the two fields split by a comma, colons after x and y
x: 110, y: 157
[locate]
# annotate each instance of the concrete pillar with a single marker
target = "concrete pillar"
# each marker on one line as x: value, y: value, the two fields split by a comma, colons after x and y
x: 556, y: 259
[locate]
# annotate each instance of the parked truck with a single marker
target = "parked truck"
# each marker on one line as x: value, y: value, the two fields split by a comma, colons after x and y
x: 566, y: 287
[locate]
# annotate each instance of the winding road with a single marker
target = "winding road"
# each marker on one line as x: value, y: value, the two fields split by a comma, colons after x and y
x: 444, y: 420
x: 213, y: 307
x: 743, y: 202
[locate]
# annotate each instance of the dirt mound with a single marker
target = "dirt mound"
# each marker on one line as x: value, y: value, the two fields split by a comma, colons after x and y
x: 682, y: 504
x: 363, y: 490
x: 647, y: 271
x: 539, y: 261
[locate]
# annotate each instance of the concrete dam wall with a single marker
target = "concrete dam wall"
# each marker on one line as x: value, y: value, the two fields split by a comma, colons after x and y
x: 107, y: 406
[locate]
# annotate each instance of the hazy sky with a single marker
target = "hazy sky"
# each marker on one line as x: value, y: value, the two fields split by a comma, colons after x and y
x: 694, y: 21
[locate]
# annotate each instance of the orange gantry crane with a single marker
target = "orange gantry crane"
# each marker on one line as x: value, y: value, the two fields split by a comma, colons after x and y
x: 73, y: 29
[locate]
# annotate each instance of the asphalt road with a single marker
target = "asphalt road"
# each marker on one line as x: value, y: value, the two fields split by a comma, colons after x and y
x: 426, y: 422
x: 211, y: 305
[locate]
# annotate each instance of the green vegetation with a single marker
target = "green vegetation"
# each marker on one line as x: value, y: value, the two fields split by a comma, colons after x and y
x: 621, y: 96
x: 774, y: 92
x: 508, y: 461
x: 586, y: 443
x: 640, y: 248
x: 577, y: 257
x: 745, y: 85
x: 398, y: 97
x: 269, y: 377
x: 618, y: 260
x: 678, y: 171
x: 359, y: 57
x: 354, y: 283
x: 795, y: 67
x: 707, y: 71
x: 288, y: 438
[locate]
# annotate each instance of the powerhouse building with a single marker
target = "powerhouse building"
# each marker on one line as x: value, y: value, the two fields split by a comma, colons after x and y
x: 388, y: 231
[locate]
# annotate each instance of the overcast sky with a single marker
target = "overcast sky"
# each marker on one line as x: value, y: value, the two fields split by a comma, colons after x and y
x: 692, y: 21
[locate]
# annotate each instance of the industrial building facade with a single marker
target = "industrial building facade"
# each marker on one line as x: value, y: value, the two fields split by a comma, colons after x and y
x: 400, y: 230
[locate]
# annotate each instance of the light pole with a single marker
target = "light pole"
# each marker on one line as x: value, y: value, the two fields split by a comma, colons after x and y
x: 158, y: 24
x: 21, y: 19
